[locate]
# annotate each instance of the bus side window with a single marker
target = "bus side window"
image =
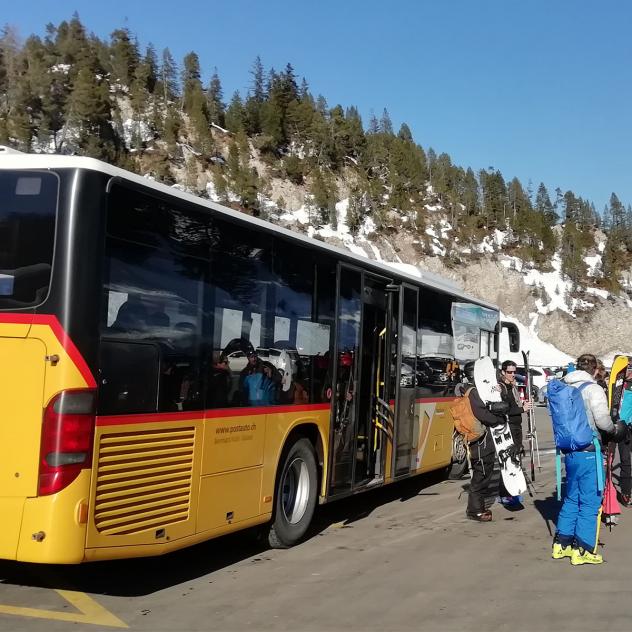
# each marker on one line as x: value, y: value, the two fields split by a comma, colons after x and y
x: 128, y: 377
x: 154, y: 284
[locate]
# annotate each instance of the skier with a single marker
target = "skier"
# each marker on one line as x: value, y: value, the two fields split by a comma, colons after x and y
x: 578, y: 521
x: 482, y: 455
x: 516, y: 409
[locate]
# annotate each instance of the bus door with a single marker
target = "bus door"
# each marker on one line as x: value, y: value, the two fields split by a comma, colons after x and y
x: 404, y: 377
x: 362, y: 427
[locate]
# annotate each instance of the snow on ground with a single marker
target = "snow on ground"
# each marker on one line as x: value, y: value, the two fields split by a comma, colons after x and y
x: 499, y: 236
x: 512, y: 263
x: 594, y: 264
x: 132, y: 127
x: 554, y: 286
x: 598, y: 292
x: 487, y: 245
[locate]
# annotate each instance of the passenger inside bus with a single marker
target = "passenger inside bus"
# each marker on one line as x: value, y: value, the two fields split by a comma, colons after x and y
x: 219, y: 384
x: 256, y: 384
x: 131, y: 316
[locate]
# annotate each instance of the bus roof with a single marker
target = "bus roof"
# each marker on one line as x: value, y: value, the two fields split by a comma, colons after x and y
x: 13, y: 159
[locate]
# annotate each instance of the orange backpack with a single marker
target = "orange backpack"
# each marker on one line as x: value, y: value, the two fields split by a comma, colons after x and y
x: 464, y: 420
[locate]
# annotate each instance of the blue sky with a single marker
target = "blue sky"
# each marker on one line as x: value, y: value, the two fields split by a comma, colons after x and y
x: 540, y: 89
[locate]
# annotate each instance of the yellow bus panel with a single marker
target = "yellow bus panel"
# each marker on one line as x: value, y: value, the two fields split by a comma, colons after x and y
x: 22, y: 373
x: 229, y: 498
x: 233, y: 442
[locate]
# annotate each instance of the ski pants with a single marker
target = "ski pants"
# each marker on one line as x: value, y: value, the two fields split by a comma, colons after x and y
x: 625, y: 471
x: 482, y: 457
x: 579, y: 517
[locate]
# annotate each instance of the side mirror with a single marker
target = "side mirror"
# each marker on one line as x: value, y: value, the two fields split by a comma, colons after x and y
x: 514, y: 336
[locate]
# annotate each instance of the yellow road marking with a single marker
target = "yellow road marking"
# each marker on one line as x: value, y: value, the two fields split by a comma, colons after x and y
x: 89, y: 611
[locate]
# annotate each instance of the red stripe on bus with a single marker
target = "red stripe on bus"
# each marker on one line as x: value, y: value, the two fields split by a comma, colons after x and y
x: 60, y: 334
x: 430, y: 400
x: 219, y: 413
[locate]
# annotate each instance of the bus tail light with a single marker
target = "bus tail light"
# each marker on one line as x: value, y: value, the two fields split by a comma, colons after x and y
x: 67, y: 437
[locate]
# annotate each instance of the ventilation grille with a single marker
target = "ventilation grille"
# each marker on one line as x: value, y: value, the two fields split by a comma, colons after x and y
x: 143, y: 480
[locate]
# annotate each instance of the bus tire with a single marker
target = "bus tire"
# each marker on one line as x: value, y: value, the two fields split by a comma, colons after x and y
x: 296, y: 495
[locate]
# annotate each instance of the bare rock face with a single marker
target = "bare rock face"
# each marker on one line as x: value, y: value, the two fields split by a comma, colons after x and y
x: 607, y: 328
x: 488, y: 280
x: 604, y: 329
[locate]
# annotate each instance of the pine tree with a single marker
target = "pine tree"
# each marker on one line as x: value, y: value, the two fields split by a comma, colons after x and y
x: 558, y: 205
x: 214, y: 97
x: 195, y: 105
x: 374, y: 125
x: 572, y: 253
x: 151, y: 63
x: 303, y: 92
x: 220, y: 184
x: 386, y: 126
x: 191, y: 83
x: 494, y: 196
x: 124, y: 58
x: 616, y: 212
x: 256, y: 97
x: 432, y: 159
x: 89, y: 111
x: 571, y: 207
x: 72, y: 44
x: 544, y: 206
x: 168, y: 83
x: 139, y: 97
x: 172, y: 127
x: 235, y: 118
x: 405, y: 133
x: 10, y: 51
x: 323, y: 190
x: 471, y: 194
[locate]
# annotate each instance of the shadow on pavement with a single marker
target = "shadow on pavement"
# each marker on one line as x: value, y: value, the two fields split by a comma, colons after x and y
x: 549, y: 509
x: 143, y: 576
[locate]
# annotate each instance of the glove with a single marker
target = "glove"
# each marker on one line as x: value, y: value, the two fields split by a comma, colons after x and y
x: 498, y: 408
x: 620, y: 431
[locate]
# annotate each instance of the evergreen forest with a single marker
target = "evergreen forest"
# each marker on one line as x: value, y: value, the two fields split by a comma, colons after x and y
x: 71, y: 92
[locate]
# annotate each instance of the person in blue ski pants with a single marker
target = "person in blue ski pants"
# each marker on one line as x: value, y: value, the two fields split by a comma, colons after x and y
x: 578, y: 521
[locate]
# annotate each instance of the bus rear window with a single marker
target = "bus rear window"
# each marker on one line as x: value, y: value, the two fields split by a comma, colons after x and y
x: 28, y: 207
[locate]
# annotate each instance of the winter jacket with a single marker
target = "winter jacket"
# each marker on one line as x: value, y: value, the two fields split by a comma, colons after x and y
x: 595, y: 401
x: 510, y: 395
x: 625, y: 412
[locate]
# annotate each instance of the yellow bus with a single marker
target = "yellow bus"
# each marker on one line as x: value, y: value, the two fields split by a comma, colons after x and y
x: 172, y: 370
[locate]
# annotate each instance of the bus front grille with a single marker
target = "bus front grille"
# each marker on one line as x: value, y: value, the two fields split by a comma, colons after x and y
x: 143, y: 480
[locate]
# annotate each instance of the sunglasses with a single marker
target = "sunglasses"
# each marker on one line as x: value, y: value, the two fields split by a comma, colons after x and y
x: 509, y: 372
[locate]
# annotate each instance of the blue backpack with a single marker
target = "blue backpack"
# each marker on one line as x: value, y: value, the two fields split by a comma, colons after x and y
x: 571, y: 428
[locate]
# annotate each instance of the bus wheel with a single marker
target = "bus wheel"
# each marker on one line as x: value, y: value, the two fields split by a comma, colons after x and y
x: 458, y: 468
x: 295, y: 495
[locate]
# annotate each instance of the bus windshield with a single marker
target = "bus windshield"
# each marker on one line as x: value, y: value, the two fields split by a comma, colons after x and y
x: 28, y: 208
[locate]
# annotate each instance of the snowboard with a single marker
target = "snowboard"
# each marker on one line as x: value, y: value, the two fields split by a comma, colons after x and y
x: 615, y: 384
x: 486, y: 383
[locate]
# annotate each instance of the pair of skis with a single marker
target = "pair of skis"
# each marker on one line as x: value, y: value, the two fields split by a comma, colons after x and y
x: 620, y: 366
x: 532, y: 433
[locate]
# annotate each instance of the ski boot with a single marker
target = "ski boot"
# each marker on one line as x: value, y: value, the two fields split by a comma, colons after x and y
x: 560, y: 552
x: 483, y: 516
x: 582, y: 556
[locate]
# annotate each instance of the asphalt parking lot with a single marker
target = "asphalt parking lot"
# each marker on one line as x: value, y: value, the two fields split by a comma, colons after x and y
x: 400, y: 558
